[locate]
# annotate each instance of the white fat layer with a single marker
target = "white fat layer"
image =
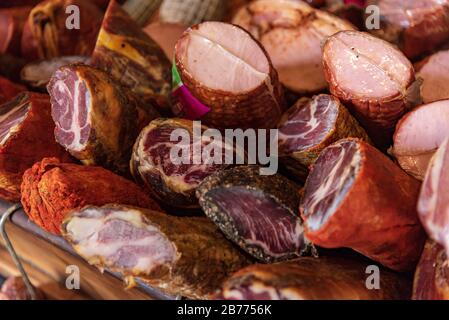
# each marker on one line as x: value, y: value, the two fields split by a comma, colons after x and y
x: 332, y: 184
x: 85, y: 230
x: 16, y: 124
x: 75, y: 127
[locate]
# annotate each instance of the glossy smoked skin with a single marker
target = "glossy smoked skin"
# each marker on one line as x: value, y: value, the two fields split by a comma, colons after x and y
x: 50, y: 189
x: 376, y: 216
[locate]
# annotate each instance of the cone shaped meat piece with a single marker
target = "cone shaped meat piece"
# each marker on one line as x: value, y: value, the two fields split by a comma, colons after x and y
x: 285, y: 28
x: 432, y: 274
x: 433, y: 204
x: 185, y: 256
x: 50, y: 189
x: 307, y: 278
x: 131, y: 57
x: 51, y: 32
x: 356, y: 197
x: 26, y: 136
x: 256, y: 212
x: 9, y: 90
x: 171, y: 181
x: 37, y: 74
x: 96, y: 120
x: 415, y: 141
x: 310, y: 126
x: 434, y: 71
x: 12, y: 22
x: 373, y: 79
x: 227, y: 72
x: 416, y: 26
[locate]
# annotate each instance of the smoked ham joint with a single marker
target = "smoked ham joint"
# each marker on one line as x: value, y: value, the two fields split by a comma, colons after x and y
x: 224, y: 150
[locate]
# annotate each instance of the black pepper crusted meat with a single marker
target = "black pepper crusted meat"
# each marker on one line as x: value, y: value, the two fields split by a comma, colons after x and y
x: 185, y: 256
x: 131, y: 57
x: 258, y: 213
x: 97, y: 121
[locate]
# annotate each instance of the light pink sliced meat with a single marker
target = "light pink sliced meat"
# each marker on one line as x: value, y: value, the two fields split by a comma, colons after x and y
x: 418, y: 135
x: 286, y: 28
x: 435, y: 73
x: 372, y: 78
x: 433, y: 204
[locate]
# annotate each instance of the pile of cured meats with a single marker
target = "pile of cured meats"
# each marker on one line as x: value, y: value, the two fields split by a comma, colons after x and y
x: 359, y: 208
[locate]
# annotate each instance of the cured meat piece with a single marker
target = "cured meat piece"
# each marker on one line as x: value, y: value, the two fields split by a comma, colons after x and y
x: 307, y: 278
x: 310, y: 126
x: 96, y: 121
x: 350, y: 10
x: 12, y: 22
x: 286, y: 27
x: 185, y: 256
x: 46, y: 35
x: 9, y: 90
x: 258, y: 213
x: 355, y: 197
x: 37, y: 74
x: 50, y: 189
x: 434, y: 72
x: 166, y: 35
x: 226, y: 78
x: 415, y: 141
x: 416, y: 26
x: 26, y: 136
x: 372, y: 78
x: 433, y: 204
x: 432, y: 274
x: 190, y: 12
x: 14, y: 289
x: 131, y: 57
x: 173, y: 183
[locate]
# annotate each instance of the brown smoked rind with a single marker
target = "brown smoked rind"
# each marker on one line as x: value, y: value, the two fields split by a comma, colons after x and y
x: 307, y: 278
x: 356, y: 197
x: 190, y: 257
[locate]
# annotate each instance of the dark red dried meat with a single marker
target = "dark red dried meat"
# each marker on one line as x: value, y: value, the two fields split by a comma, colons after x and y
x: 12, y: 22
x: 257, y: 212
x: 96, y: 120
x: 26, y: 136
x: 356, y: 197
x: 9, y: 90
x: 185, y: 256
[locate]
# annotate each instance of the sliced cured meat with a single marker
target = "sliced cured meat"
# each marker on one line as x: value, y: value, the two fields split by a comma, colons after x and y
x: 306, y: 278
x: 258, y: 213
x: 26, y: 136
x: 96, y: 121
x: 287, y: 27
x: 311, y: 125
x: 50, y: 189
x: 192, y: 12
x: 372, y: 78
x: 185, y: 256
x: 37, y: 74
x: 166, y: 35
x: 432, y: 274
x: 435, y: 74
x: 416, y: 26
x: 12, y: 22
x: 46, y: 34
x: 174, y: 182
x: 131, y: 57
x: 14, y: 289
x: 418, y: 135
x: 229, y: 74
x: 9, y: 90
x: 433, y: 204
x: 355, y: 197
